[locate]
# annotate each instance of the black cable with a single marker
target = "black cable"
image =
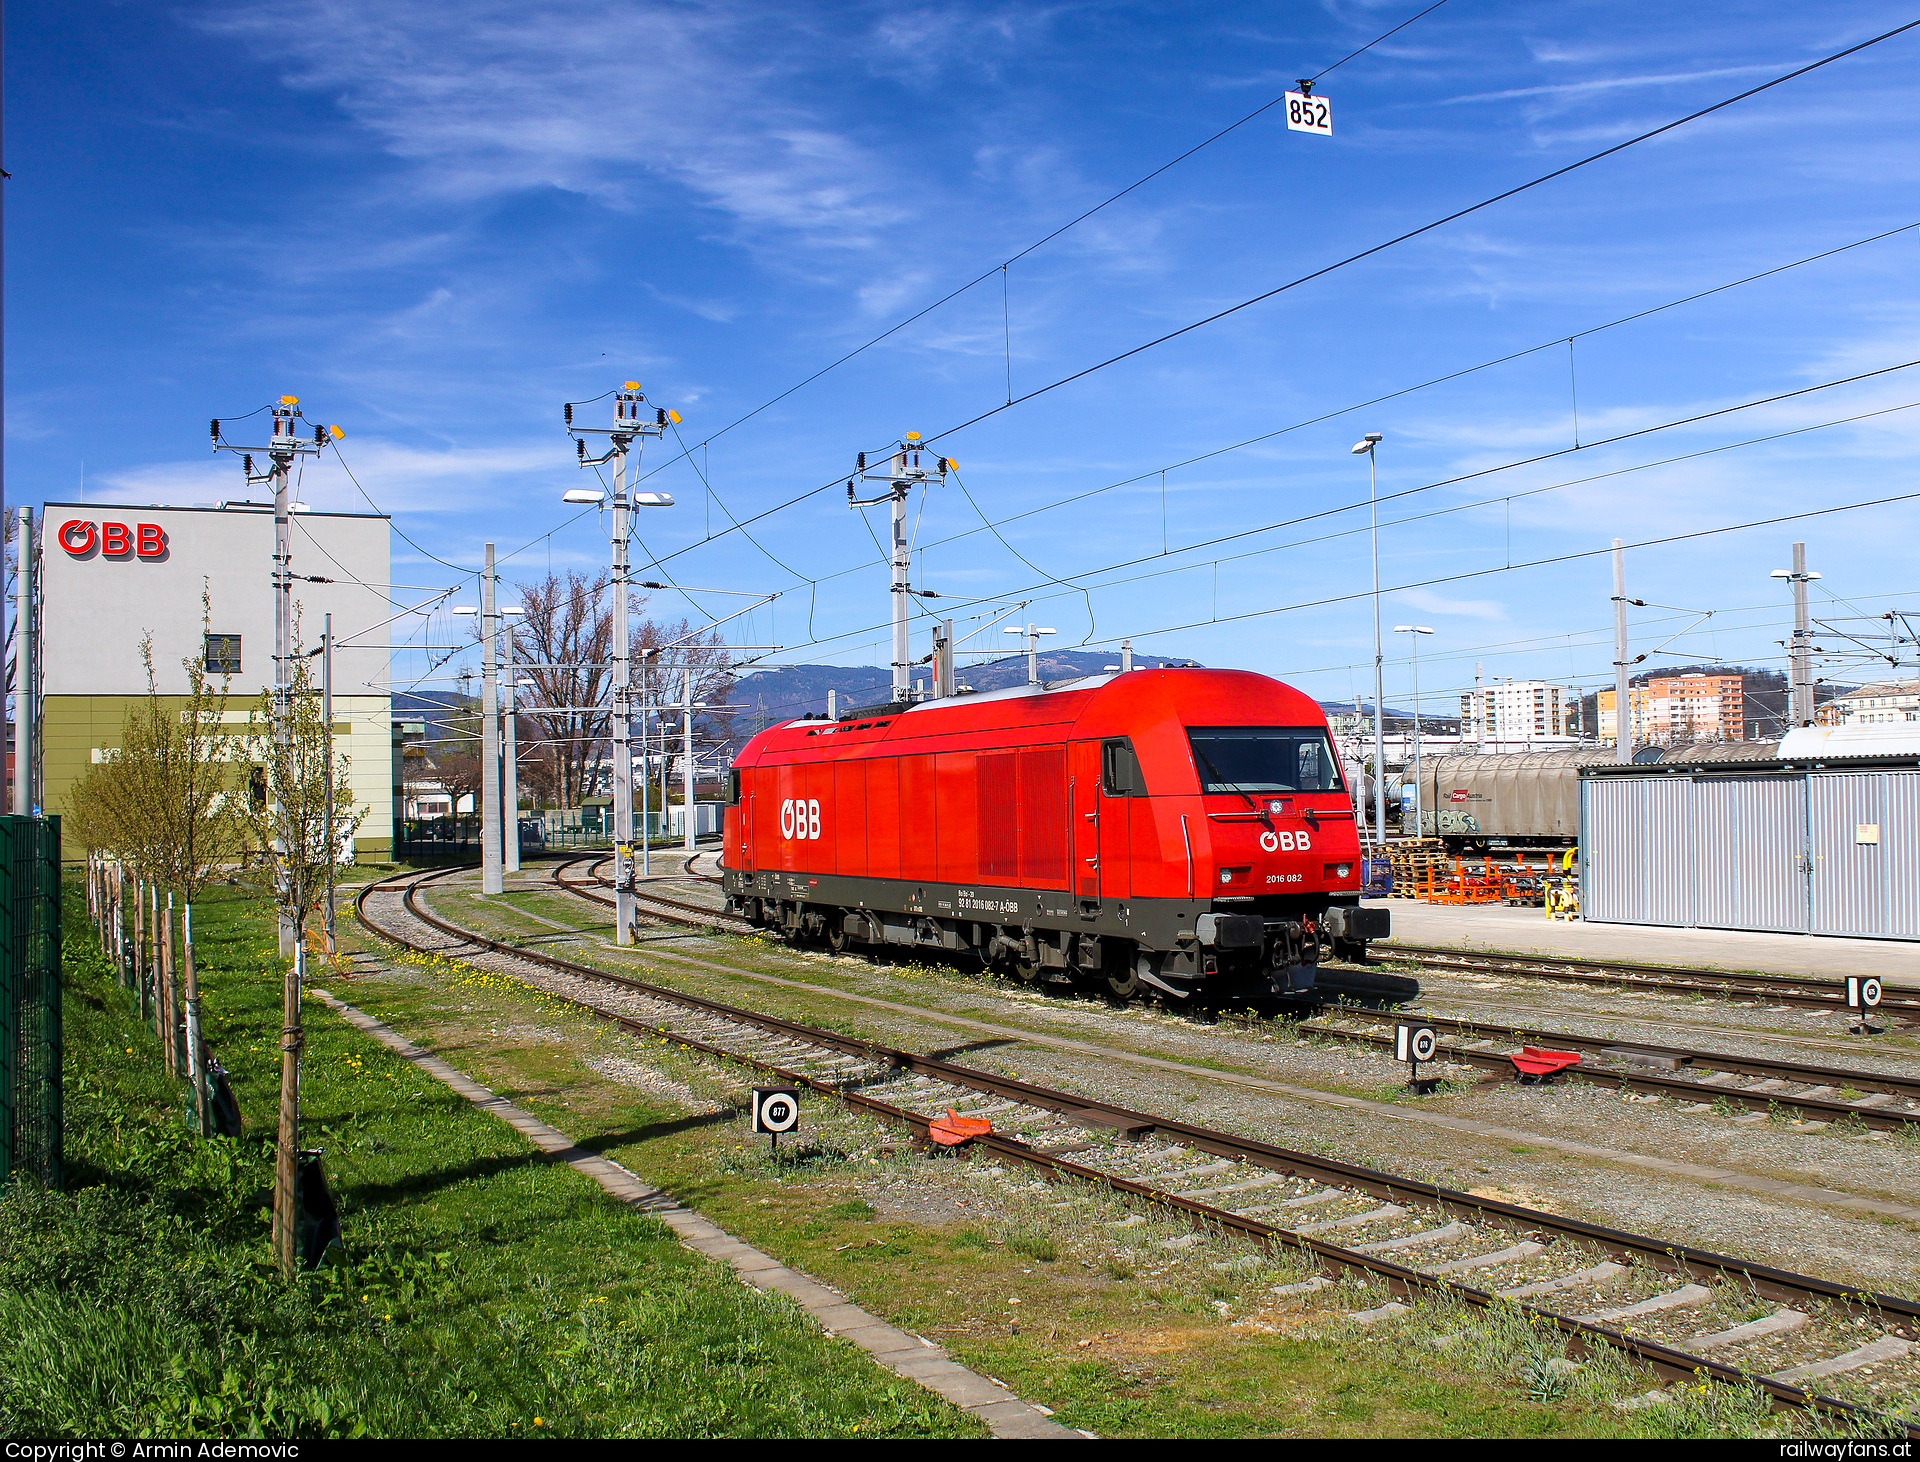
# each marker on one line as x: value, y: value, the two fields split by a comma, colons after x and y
x: 1556, y: 341
x: 1064, y: 583
x: 1364, y: 254
x: 1531, y: 564
x: 707, y: 483
x: 1048, y: 238
x: 389, y: 517
x: 1410, y: 492
x: 1457, y: 214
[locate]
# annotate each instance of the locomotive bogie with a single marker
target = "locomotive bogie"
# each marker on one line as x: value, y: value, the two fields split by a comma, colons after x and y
x: 1169, y: 831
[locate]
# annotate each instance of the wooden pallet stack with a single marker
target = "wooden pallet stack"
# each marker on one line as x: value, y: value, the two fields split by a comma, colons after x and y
x: 1417, y: 867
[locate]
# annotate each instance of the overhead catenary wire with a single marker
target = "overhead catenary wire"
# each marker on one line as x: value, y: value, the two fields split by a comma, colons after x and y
x: 1466, y: 477
x: 1440, y: 380
x: 1073, y: 498
x: 1070, y: 224
x: 1425, y: 228
x: 1547, y: 562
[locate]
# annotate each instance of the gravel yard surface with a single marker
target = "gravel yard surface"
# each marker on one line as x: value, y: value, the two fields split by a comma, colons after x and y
x: 1389, y: 1132
x: 1789, y: 1232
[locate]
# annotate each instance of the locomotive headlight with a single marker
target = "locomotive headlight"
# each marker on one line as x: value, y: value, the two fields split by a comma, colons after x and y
x: 1226, y: 875
x: 1343, y: 870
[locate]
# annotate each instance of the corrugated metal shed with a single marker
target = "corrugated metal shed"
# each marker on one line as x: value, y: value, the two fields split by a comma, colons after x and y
x: 1828, y: 846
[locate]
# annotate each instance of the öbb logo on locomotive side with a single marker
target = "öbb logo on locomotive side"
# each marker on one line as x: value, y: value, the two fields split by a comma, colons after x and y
x: 1292, y: 842
x: 800, y: 818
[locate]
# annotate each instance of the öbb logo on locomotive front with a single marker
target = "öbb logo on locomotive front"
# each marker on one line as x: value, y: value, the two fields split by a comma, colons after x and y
x: 800, y: 818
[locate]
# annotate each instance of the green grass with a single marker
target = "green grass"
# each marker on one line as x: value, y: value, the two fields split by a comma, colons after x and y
x: 483, y: 1290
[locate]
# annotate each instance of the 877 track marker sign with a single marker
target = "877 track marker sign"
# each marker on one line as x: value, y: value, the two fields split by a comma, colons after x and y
x: 1309, y: 114
x: 776, y: 1109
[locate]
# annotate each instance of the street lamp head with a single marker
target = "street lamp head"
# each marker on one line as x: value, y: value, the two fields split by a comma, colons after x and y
x: 653, y: 499
x: 465, y: 609
x: 583, y: 495
x: 513, y: 609
x: 1041, y: 629
x: 1781, y: 574
x: 1365, y: 445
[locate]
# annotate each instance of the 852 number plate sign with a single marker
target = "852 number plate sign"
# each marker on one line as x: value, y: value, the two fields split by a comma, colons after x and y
x: 1309, y: 114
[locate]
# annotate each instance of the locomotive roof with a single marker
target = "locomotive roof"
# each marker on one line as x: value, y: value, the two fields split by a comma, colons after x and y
x: 1218, y: 697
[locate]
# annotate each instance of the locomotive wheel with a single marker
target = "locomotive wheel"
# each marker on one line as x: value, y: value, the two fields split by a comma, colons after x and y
x: 1123, y: 983
x: 838, y: 940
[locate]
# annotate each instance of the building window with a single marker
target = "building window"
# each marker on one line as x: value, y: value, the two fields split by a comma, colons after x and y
x: 223, y: 654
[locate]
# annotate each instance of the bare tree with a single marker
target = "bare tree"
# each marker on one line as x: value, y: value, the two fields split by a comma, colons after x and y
x: 456, y: 759
x: 662, y: 654
x: 568, y: 623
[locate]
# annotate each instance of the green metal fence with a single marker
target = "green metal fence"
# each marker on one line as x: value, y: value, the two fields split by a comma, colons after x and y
x: 30, y: 1035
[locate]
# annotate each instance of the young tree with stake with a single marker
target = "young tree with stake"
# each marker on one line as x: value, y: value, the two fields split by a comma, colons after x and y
x: 289, y: 826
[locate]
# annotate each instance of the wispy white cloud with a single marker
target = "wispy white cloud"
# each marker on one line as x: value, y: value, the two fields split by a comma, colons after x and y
x: 1432, y: 603
x: 632, y: 105
x: 1608, y: 83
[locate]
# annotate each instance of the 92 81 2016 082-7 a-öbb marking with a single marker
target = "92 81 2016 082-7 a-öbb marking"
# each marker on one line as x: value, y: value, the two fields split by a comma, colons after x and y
x: 1179, y: 831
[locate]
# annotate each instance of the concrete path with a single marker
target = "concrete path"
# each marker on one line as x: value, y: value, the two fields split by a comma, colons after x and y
x: 1497, y: 927
x: 997, y: 1408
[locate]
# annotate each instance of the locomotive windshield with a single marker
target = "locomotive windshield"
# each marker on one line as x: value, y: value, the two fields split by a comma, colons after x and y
x: 1247, y: 759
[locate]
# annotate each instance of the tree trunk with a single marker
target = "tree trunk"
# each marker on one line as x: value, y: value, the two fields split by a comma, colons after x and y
x: 286, y: 1216
x: 196, y: 1059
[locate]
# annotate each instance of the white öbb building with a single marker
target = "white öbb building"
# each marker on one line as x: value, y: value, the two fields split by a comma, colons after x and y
x: 114, y: 573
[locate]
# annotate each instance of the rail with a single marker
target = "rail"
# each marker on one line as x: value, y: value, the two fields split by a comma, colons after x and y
x: 1902, y: 1315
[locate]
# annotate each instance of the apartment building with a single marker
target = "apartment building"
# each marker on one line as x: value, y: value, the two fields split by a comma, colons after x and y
x: 1879, y: 704
x: 1514, y: 710
x: 1674, y: 710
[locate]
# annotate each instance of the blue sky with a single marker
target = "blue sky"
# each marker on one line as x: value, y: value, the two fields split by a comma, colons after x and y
x: 435, y: 223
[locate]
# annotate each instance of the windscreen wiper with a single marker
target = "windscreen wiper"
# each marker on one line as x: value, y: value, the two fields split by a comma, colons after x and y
x: 1231, y: 786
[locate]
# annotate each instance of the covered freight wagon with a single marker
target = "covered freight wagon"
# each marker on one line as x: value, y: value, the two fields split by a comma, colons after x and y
x: 1531, y: 799
x: 1519, y: 799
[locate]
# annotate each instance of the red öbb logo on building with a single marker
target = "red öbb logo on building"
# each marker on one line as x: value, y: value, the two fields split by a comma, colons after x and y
x: 81, y: 539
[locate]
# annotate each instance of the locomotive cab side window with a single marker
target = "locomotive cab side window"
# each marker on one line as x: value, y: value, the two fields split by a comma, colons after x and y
x: 1120, y: 769
x: 1254, y: 759
x: 733, y: 789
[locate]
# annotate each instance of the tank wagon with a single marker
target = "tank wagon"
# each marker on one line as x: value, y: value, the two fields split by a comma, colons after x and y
x: 1180, y: 831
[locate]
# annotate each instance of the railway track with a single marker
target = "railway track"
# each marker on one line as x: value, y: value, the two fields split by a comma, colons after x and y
x: 1801, y: 991
x: 677, y: 910
x: 1412, y: 1238
x: 1754, y: 1084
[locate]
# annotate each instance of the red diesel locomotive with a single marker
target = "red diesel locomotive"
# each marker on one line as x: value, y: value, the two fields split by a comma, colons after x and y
x: 1171, y: 831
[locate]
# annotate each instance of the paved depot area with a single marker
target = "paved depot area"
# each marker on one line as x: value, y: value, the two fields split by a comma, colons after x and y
x: 1497, y: 927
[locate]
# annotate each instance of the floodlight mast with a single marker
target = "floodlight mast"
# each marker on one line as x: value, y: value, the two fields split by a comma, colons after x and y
x: 630, y: 423
x: 910, y: 466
